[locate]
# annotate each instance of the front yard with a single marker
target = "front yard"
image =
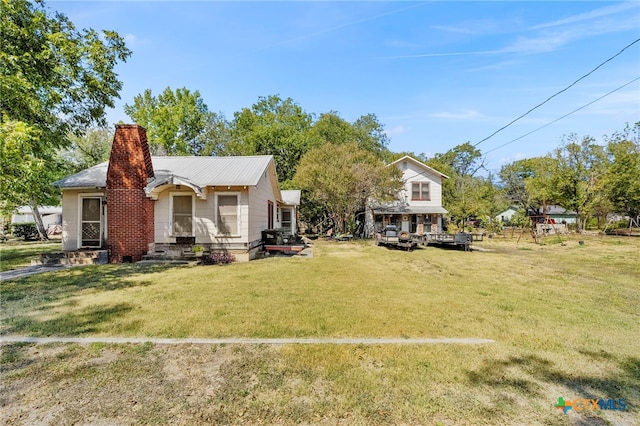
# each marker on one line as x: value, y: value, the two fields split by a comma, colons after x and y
x: 564, y: 319
x: 18, y: 254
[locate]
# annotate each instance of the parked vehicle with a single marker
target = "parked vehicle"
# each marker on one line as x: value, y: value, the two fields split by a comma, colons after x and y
x: 390, y: 236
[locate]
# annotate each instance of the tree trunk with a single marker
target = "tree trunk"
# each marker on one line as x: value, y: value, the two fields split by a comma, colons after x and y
x: 42, y: 233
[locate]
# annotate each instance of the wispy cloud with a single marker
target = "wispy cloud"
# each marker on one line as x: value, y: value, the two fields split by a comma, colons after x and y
x: 470, y: 114
x: 397, y: 130
x: 553, y: 35
x: 479, y: 26
x: 545, y: 37
x: 130, y: 39
x: 514, y: 157
x: 345, y: 25
x: 436, y: 55
x: 587, y: 16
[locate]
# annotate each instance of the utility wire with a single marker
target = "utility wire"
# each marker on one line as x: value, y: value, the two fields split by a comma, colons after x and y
x: 564, y: 116
x: 557, y: 93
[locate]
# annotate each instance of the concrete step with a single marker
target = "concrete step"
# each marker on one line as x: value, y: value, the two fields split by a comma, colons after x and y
x: 83, y: 257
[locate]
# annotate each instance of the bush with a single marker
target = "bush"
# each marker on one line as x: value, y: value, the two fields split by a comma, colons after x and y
x: 218, y: 259
x: 28, y: 231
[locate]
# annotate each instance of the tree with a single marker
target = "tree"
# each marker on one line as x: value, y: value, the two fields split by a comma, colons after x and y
x: 93, y: 147
x: 463, y: 192
x: 55, y: 81
x: 177, y: 122
x: 622, y: 179
x: 53, y: 76
x: 580, y: 168
x: 216, y: 135
x: 272, y: 126
x: 35, y: 170
x: 370, y: 134
x: 541, y: 186
x: 341, y: 178
x: 331, y: 128
x: 513, y: 178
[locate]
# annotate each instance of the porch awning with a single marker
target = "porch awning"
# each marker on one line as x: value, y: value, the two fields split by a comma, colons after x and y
x: 410, y: 210
x: 163, y: 179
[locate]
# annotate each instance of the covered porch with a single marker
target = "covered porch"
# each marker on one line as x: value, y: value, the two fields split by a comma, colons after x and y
x: 415, y: 220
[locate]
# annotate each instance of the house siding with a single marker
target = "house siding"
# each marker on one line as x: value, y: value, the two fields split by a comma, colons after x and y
x: 415, y: 216
x: 412, y: 174
x: 259, y: 196
x: 205, y: 229
x: 70, y: 216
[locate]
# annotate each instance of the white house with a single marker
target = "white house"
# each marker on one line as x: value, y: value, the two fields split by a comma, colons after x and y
x: 418, y: 206
x: 135, y: 203
x: 505, y: 216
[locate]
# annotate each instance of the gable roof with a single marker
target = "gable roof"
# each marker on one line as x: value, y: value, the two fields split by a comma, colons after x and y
x: 291, y: 197
x: 199, y: 171
x: 419, y: 164
x: 555, y: 209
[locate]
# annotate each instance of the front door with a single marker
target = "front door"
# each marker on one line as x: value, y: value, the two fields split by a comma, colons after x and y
x: 405, y: 223
x: 286, y: 221
x: 91, y: 223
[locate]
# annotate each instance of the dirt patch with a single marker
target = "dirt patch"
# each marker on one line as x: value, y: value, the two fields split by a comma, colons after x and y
x: 109, y: 384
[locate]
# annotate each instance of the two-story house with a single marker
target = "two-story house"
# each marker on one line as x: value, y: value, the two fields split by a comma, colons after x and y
x: 418, y: 206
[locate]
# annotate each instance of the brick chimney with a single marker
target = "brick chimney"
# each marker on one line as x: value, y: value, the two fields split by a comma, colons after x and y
x: 130, y: 223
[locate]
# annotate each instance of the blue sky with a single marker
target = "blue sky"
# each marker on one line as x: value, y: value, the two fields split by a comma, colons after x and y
x: 436, y: 74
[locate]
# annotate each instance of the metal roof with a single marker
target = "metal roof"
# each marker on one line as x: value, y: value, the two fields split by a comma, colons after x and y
x: 410, y: 210
x: 93, y: 177
x: 200, y: 171
x: 420, y: 164
x: 291, y: 197
x: 41, y: 209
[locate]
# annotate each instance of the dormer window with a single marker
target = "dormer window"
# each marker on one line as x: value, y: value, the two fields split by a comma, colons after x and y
x: 420, y: 191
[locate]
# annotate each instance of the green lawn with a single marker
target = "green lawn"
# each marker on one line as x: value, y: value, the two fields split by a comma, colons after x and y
x: 564, y: 317
x: 17, y: 254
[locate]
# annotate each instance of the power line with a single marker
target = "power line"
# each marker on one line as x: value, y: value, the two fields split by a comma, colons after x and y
x: 557, y: 93
x: 564, y: 116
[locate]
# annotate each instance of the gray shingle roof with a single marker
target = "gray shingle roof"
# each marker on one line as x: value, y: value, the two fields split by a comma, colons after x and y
x: 200, y: 171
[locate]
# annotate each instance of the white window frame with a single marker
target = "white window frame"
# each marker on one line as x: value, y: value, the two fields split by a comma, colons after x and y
x: 421, y: 184
x: 238, y: 216
x: 103, y: 218
x: 193, y: 212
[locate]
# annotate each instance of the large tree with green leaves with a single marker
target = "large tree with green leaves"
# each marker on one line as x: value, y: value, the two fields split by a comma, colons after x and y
x: 89, y: 149
x: 464, y: 192
x: 580, y: 169
x: 272, y: 126
x: 513, y: 178
x: 55, y: 80
x: 177, y: 122
x: 340, y: 178
x: 366, y: 132
x: 622, y: 179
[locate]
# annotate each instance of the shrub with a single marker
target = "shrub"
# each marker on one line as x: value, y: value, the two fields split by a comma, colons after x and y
x: 28, y: 231
x: 218, y: 259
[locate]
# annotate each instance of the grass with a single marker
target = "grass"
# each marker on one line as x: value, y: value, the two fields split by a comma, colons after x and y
x: 564, y: 318
x: 17, y: 254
